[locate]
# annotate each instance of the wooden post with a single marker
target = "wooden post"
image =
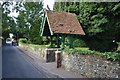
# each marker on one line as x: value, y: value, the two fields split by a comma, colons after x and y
x: 51, y: 41
x: 58, y: 42
x: 63, y: 41
x: 71, y: 43
x: 71, y: 40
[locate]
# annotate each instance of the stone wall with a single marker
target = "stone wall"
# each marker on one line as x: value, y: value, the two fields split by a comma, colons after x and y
x: 92, y: 66
x: 37, y: 50
x: 47, y: 53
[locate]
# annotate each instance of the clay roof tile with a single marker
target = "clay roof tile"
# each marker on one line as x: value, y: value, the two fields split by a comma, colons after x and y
x: 63, y: 22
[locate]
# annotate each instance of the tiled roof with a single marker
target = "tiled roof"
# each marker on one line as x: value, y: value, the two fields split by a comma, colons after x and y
x: 63, y: 22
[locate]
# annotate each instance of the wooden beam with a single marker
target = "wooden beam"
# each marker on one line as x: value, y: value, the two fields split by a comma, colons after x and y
x: 43, y: 25
x: 58, y: 41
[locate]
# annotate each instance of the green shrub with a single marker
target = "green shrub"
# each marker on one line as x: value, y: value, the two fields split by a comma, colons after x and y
x: 79, y: 43
x: 42, y: 54
x: 45, y: 41
x: 109, y: 55
x: 37, y: 40
x: 102, y: 46
x: 38, y: 46
x: 23, y: 40
x: 28, y: 42
x: 118, y: 48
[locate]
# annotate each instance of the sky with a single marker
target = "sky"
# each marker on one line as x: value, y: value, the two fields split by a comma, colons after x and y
x: 50, y: 3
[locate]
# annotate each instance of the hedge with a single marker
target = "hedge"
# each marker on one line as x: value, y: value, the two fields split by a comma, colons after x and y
x: 22, y: 40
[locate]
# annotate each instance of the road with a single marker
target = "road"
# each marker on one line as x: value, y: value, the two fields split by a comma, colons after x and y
x: 14, y: 65
x: 0, y: 62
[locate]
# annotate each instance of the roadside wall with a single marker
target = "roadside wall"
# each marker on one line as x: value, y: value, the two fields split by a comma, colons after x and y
x: 91, y: 66
x: 39, y: 51
x: 47, y: 54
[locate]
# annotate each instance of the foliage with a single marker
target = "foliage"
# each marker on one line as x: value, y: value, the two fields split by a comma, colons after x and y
x: 5, y: 19
x: 34, y: 45
x: 118, y: 43
x: 40, y: 46
x: 82, y: 48
x: 8, y: 22
x: 42, y: 54
x: 27, y: 24
x: 118, y: 49
x: 79, y: 43
x: 99, y: 20
x: 37, y: 40
x: 45, y: 41
x: 109, y: 55
x: 29, y: 21
x: 22, y: 40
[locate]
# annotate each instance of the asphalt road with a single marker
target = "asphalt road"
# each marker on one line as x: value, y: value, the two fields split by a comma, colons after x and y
x: 14, y: 65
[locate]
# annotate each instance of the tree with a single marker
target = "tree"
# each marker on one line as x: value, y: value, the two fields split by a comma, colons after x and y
x: 29, y: 21
x: 100, y: 22
x: 27, y: 24
x: 5, y: 19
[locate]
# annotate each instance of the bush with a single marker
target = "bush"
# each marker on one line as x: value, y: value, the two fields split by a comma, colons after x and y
x: 109, y: 55
x: 42, y: 55
x: 23, y: 40
x: 45, y: 41
x: 79, y: 43
x: 102, y: 46
x: 118, y: 48
x: 37, y: 40
x: 118, y: 43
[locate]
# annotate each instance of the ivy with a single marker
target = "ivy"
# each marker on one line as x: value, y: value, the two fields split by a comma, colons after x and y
x: 109, y: 55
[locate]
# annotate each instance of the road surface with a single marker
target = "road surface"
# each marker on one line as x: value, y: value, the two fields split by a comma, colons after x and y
x: 14, y: 65
x: 0, y: 62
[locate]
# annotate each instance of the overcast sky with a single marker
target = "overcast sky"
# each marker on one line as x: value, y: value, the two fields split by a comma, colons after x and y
x: 50, y: 3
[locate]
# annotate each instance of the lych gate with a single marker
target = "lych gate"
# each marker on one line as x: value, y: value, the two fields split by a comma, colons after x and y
x: 61, y: 25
